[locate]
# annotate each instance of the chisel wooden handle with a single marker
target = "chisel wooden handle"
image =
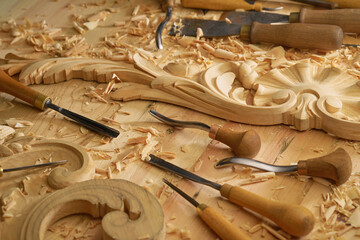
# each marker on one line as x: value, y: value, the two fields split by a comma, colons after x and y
x: 221, y: 4
x: 294, y: 219
x: 336, y: 166
x: 296, y: 35
x: 16, y: 89
x: 347, y: 19
x: 244, y: 144
x: 219, y: 224
x: 346, y: 3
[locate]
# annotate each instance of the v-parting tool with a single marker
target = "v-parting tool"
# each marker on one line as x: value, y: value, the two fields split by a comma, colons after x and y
x: 42, y: 102
x: 50, y: 164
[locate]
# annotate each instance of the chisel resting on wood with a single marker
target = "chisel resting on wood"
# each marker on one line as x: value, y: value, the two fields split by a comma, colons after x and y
x: 296, y: 35
x: 41, y: 101
x: 347, y: 19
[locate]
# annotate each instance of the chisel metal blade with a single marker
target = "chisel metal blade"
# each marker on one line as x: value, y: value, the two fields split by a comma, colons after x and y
x: 210, y: 28
x: 247, y: 18
x: 181, y: 172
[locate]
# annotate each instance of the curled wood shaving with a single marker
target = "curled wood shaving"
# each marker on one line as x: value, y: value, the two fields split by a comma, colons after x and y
x: 16, y: 123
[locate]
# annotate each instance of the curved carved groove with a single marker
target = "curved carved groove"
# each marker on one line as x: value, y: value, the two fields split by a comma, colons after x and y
x: 289, y: 95
x: 79, y: 167
x: 127, y: 210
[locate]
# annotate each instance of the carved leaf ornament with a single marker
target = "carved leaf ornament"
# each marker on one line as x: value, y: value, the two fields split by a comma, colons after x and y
x: 304, y: 95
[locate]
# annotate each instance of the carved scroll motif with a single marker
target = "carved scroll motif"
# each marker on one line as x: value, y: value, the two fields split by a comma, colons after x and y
x: 305, y: 96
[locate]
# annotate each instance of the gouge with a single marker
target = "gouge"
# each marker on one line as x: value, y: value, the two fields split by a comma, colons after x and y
x: 318, y: 3
x: 218, y: 223
x: 41, y: 101
x: 347, y: 19
x: 294, y: 219
x: 244, y: 144
x: 226, y: 5
x: 296, y: 35
x: 2, y: 171
x: 336, y: 166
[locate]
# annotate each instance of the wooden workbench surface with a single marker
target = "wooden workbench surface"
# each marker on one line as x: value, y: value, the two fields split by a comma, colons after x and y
x: 281, y: 144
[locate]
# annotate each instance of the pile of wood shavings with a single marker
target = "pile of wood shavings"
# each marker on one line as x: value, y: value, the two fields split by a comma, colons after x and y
x: 339, y: 211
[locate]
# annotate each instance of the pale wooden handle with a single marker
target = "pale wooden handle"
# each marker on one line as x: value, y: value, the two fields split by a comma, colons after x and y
x: 336, y: 166
x: 298, y: 35
x: 347, y: 19
x: 219, y: 224
x: 346, y: 3
x: 244, y: 144
x: 221, y: 4
x: 294, y: 219
x: 16, y: 89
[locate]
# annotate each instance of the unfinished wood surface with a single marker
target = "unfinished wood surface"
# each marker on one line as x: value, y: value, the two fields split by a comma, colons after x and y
x: 79, y: 166
x: 124, y: 38
x: 127, y: 210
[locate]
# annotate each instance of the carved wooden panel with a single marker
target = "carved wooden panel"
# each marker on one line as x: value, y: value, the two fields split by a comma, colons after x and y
x: 304, y: 95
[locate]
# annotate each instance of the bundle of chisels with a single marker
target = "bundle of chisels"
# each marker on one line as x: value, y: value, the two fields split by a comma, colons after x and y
x: 309, y: 29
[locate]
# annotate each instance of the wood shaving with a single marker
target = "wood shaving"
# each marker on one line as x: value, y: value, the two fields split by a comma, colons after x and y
x: 100, y: 16
x: 151, y: 130
x: 6, y: 132
x: 139, y: 140
x: 197, y: 165
x: 91, y: 25
x: 148, y: 149
x: 273, y: 232
x: 17, y: 123
x: 167, y: 155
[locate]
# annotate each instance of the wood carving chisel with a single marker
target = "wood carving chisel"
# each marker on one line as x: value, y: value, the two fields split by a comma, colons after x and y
x: 168, y: 6
x: 347, y: 19
x: 49, y: 164
x: 218, y: 223
x: 335, y: 166
x: 41, y: 101
x: 244, y: 144
x: 319, y: 3
x: 296, y: 35
x: 294, y: 219
x: 227, y: 5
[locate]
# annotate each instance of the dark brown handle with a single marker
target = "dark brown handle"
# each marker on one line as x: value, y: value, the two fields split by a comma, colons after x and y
x: 244, y: 144
x: 298, y: 35
x: 347, y: 19
x: 221, y: 4
x: 336, y: 166
x: 219, y: 224
x: 16, y: 89
x: 294, y: 219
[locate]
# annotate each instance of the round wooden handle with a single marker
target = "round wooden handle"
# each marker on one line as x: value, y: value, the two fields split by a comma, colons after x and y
x: 346, y: 3
x: 244, y: 144
x: 298, y: 35
x: 221, y: 5
x: 347, y: 19
x: 219, y: 224
x: 294, y: 219
x: 336, y: 166
x: 16, y: 89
